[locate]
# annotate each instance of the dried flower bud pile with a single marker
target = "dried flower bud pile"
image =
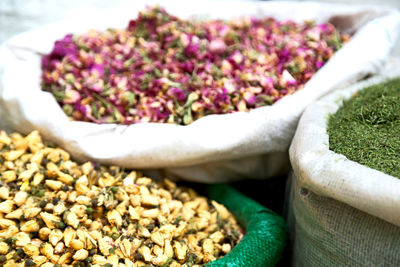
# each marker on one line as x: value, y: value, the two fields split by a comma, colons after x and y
x: 55, y: 212
x: 165, y: 69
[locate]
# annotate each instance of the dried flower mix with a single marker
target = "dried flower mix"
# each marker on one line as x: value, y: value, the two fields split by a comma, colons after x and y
x: 165, y: 69
x: 366, y: 128
x: 55, y: 212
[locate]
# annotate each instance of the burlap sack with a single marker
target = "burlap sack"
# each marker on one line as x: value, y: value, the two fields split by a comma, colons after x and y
x: 216, y: 147
x: 341, y: 213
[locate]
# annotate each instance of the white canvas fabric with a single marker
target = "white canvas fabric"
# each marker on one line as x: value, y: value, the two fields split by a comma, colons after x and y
x: 327, y: 232
x: 344, y: 213
x: 215, y: 148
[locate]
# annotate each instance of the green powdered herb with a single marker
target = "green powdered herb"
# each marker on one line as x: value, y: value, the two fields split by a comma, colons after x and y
x: 366, y: 129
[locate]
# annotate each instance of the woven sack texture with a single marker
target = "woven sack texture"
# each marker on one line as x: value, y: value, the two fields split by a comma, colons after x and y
x: 266, y: 232
x: 330, y: 233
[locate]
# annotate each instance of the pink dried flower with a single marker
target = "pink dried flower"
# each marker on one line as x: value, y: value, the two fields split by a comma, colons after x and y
x: 217, y: 46
x: 177, y: 94
x: 319, y: 64
x: 71, y: 96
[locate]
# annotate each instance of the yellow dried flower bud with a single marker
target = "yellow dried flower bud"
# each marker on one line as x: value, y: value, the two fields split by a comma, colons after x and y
x: 7, y: 206
x: 69, y: 235
x: 31, y: 250
x: 4, y: 192
x: 3, y: 248
x: 114, y: 218
x: 81, y: 255
x: 30, y: 226
x: 76, y: 244
x: 20, y: 197
x: 13, y: 155
x: 54, y: 185
x: 44, y: 233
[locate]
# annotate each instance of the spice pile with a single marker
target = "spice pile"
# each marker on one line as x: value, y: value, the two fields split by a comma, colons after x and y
x: 366, y: 129
x: 165, y: 69
x: 54, y: 211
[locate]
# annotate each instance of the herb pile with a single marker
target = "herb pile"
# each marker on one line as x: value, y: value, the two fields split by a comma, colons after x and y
x: 55, y: 212
x: 165, y: 69
x: 366, y: 129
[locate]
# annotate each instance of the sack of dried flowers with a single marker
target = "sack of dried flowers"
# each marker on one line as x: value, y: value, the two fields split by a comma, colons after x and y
x: 56, y: 212
x: 218, y: 104
x: 344, y: 196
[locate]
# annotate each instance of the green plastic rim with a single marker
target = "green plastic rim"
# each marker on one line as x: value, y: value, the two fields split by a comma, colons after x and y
x: 266, y: 232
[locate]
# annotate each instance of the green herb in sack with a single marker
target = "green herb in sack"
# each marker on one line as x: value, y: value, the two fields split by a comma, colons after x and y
x: 366, y: 129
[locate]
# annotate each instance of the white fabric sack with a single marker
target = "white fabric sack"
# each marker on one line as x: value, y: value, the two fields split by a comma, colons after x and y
x: 344, y: 213
x: 215, y: 148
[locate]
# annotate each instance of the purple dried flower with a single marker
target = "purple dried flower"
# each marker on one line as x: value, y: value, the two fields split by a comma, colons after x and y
x: 177, y: 94
x: 319, y: 64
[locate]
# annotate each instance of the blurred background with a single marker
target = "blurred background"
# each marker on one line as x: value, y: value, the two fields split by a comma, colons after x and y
x: 17, y: 16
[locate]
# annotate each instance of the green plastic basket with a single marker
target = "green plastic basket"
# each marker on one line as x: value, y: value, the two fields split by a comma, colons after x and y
x: 266, y: 232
